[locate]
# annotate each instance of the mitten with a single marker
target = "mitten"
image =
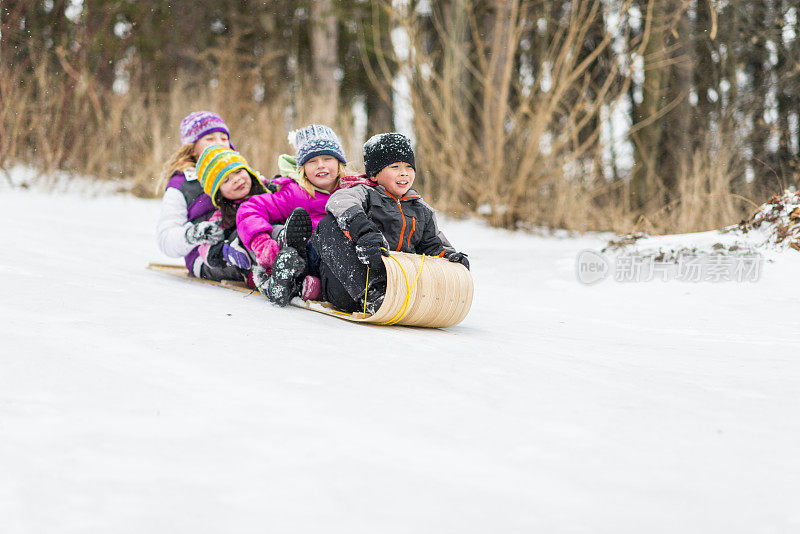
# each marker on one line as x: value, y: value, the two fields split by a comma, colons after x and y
x: 204, y: 232
x: 260, y: 279
x: 265, y: 249
x: 358, y: 224
x: 311, y: 288
x: 458, y: 257
x: 235, y: 255
x: 369, y: 249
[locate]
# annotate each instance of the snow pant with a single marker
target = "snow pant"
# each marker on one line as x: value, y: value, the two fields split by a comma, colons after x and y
x: 313, y: 260
x: 229, y: 272
x: 216, y: 266
x: 343, y: 276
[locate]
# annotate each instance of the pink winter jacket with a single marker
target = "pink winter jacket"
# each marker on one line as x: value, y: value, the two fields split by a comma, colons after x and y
x: 260, y: 212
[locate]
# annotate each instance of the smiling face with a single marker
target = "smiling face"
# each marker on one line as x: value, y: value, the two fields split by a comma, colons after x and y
x: 397, y: 178
x: 236, y: 185
x: 213, y: 138
x: 322, y: 171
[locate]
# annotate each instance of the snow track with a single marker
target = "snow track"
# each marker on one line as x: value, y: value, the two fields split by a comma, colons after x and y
x: 133, y: 402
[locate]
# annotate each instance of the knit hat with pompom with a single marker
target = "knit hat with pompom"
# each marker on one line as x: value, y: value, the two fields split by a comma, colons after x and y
x: 316, y: 140
x: 215, y: 163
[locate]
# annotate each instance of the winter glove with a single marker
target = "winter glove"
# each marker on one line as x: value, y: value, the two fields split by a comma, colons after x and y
x: 204, y: 232
x: 235, y: 255
x: 260, y: 279
x: 270, y: 186
x: 357, y: 224
x: 369, y: 249
x: 459, y: 257
x: 265, y: 249
x: 311, y: 288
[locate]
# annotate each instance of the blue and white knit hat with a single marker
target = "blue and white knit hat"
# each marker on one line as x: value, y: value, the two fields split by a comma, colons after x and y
x: 315, y: 140
x: 196, y: 125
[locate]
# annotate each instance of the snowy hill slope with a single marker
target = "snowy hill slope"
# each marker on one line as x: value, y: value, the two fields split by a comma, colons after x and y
x: 134, y: 402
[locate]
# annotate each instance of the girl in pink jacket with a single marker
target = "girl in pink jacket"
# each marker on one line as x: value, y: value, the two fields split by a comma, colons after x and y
x: 283, y: 255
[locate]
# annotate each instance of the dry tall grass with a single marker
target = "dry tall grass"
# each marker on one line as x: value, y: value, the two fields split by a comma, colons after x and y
x: 520, y: 154
x: 706, y: 195
x: 519, y: 150
x: 57, y: 116
x: 529, y: 152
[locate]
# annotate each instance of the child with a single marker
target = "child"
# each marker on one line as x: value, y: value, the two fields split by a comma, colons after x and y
x: 364, y: 222
x: 229, y: 181
x: 186, y: 209
x: 308, y: 181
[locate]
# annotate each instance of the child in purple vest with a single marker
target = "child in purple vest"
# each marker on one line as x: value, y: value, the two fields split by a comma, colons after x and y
x: 229, y: 181
x: 315, y: 172
x: 185, y: 209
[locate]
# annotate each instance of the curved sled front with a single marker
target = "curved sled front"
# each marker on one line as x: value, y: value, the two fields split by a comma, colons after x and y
x: 423, y: 291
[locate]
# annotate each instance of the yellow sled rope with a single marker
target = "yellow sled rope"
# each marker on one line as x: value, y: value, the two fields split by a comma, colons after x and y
x: 424, y: 291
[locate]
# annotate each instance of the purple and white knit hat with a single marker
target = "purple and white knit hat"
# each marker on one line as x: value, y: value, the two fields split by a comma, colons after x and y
x: 196, y: 125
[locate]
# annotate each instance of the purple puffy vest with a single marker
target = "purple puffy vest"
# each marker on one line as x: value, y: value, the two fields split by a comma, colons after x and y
x: 198, y: 204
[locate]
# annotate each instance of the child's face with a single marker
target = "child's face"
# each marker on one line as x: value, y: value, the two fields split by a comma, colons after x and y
x: 322, y: 171
x: 397, y: 178
x: 213, y: 138
x: 236, y: 185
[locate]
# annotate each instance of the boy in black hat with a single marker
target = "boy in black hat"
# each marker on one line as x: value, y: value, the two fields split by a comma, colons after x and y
x: 365, y: 222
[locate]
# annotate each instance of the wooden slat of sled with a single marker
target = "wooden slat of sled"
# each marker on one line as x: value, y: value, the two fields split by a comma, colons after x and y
x: 439, y: 292
x: 180, y: 271
x: 328, y: 309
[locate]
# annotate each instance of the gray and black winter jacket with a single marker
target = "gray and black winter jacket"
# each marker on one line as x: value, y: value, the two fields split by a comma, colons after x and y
x: 408, y: 224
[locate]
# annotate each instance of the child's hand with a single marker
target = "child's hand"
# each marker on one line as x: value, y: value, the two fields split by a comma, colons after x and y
x: 369, y: 249
x: 204, y: 232
x: 236, y: 256
x: 265, y: 249
x: 458, y: 257
x: 260, y: 279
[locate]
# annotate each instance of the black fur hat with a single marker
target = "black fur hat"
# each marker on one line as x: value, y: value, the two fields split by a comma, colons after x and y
x: 384, y: 149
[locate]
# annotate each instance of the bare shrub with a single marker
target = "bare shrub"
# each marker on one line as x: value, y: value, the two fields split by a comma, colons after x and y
x: 57, y: 115
x: 705, y: 196
x: 517, y: 148
x: 509, y: 99
x: 515, y: 135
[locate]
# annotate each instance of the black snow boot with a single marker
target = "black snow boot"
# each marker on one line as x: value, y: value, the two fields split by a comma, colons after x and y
x: 296, y: 231
x: 376, y: 291
x: 287, y: 273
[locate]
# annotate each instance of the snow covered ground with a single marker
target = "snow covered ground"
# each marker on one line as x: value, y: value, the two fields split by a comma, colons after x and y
x: 133, y: 402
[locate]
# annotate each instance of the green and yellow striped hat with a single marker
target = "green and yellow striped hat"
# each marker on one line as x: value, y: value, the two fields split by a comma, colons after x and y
x: 215, y: 163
